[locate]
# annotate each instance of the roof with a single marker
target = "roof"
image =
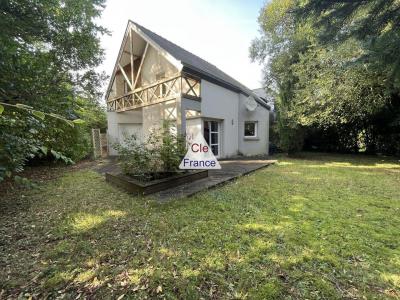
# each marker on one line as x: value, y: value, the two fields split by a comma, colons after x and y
x: 260, y: 92
x: 198, y: 66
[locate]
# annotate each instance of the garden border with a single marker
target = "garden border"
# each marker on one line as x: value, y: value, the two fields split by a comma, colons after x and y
x: 132, y: 185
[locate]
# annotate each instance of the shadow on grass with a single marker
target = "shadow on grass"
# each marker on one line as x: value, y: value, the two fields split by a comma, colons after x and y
x: 268, y: 235
x: 361, y: 160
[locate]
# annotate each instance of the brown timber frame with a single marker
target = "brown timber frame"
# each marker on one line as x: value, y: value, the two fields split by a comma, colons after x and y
x: 181, y: 85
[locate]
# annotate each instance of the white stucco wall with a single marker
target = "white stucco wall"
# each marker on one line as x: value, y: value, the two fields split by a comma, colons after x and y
x: 193, y: 127
x: 259, y: 145
x: 153, y: 64
x: 154, y: 115
x: 114, y: 120
x: 222, y: 104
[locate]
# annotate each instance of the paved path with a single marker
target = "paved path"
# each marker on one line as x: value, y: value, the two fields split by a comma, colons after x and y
x: 231, y: 169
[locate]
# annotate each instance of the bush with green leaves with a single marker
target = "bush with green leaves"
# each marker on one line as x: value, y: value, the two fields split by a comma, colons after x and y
x: 171, y: 149
x: 161, y: 151
x: 24, y: 135
x: 48, y: 57
x: 134, y: 156
x: 291, y: 138
x: 333, y: 70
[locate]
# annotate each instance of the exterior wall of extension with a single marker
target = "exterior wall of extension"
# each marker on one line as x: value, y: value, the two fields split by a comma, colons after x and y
x: 260, y: 143
x: 221, y: 104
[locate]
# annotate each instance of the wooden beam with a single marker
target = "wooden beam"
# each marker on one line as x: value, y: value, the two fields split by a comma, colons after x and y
x: 125, y: 76
x: 131, y: 49
x: 141, y: 64
x: 146, y: 104
x: 180, y: 117
x: 134, y: 56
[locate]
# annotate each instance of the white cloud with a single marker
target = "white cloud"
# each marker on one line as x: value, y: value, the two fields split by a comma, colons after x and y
x: 220, y: 34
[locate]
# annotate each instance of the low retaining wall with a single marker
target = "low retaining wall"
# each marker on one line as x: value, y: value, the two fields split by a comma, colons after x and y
x: 132, y: 185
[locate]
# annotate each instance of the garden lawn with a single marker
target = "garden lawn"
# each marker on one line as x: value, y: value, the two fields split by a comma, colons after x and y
x: 320, y: 226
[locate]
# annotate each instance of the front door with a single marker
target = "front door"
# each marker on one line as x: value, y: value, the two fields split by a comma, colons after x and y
x: 211, y: 135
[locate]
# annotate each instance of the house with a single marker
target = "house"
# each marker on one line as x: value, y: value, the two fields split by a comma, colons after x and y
x: 155, y: 80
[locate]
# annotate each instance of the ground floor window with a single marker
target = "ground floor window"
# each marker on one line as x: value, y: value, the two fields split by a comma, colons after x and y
x: 250, y: 129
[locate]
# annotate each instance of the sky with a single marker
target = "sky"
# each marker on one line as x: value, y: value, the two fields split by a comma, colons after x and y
x: 219, y: 31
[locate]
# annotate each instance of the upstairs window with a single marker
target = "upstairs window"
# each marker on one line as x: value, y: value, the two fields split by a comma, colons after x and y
x: 250, y: 129
x: 160, y: 76
x: 162, y: 89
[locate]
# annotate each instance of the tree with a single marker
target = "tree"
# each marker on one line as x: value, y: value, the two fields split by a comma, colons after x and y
x: 331, y: 90
x: 375, y: 23
x: 282, y: 41
x: 48, y: 52
x: 329, y: 75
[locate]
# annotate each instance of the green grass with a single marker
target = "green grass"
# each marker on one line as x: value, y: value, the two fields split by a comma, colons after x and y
x: 319, y: 227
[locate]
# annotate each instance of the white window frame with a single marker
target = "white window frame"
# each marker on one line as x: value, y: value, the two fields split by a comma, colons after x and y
x: 218, y: 144
x: 255, y: 129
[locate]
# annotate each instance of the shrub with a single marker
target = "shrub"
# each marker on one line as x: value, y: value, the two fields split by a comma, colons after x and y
x: 134, y: 156
x: 291, y: 138
x: 22, y: 138
x: 161, y: 151
x: 171, y: 149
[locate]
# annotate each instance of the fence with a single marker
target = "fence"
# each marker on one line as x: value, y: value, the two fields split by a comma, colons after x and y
x: 100, y: 143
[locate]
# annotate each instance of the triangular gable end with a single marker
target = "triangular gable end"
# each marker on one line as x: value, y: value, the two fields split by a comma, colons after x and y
x: 168, y: 56
x: 127, y: 38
